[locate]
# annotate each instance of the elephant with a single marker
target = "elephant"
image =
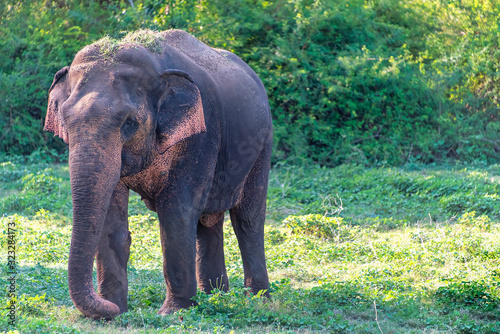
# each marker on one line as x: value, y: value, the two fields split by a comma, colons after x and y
x: 186, y: 126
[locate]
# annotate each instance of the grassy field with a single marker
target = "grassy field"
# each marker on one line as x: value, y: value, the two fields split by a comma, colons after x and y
x: 349, y: 250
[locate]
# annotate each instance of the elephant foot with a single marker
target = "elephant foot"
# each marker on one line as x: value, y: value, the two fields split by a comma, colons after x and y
x: 170, y: 305
x: 167, y: 310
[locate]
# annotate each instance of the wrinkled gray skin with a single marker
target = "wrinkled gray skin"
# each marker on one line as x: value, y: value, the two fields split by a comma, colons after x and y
x: 189, y: 129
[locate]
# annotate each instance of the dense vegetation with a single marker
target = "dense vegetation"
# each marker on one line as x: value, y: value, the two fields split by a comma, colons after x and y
x: 368, y: 81
x: 349, y: 249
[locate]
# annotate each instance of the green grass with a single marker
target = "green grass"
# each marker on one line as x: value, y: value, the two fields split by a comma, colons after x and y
x: 349, y: 250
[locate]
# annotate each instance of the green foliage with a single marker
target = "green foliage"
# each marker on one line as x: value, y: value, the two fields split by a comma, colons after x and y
x: 320, y: 226
x: 34, y: 306
x: 482, y: 222
x: 370, y: 82
x: 40, y: 190
x: 9, y: 172
x: 469, y: 294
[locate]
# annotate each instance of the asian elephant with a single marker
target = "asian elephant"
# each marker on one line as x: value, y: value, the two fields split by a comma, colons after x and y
x: 186, y: 126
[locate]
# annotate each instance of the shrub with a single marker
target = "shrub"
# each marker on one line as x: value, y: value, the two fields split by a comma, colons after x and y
x: 371, y: 82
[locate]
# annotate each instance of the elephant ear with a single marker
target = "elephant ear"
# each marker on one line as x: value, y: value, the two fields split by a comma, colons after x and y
x: 58, y: 93
x: 180, y: 110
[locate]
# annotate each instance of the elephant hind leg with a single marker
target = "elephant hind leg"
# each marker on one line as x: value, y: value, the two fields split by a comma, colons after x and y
x: 210, y: 264
x: 248, y: 218
x: 113, y: 251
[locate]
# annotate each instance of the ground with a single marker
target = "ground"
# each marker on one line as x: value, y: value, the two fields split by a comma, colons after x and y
x: 349, y: 250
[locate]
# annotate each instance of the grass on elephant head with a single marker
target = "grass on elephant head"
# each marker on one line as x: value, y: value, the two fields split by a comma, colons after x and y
x: 349, y: 250
x: 147, y: 38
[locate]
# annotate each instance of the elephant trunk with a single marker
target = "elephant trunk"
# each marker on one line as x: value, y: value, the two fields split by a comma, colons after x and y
x: 94, y: 173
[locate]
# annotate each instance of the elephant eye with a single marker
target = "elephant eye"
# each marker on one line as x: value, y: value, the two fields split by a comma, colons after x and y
x: 129, y: 128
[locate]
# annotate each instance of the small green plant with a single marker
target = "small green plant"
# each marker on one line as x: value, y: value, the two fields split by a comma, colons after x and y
x: 35, y: 191
x: 44, y: 183
x: 469, y: 218
x: 320, y: 226
x: 475, y: 294
x: 10, y: 171
x: 33, y: 306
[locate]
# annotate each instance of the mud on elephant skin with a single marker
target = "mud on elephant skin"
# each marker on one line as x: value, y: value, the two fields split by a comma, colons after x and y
x: 186, y: 126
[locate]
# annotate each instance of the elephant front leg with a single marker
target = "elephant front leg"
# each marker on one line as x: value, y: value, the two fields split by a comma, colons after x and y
x: 178, y: 239
x: 113, y: 251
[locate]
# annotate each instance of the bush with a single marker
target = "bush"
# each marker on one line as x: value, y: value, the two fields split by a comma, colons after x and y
x: 371, y: 82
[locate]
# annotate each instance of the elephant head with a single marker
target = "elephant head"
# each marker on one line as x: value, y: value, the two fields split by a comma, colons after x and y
x: 117, y: 114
